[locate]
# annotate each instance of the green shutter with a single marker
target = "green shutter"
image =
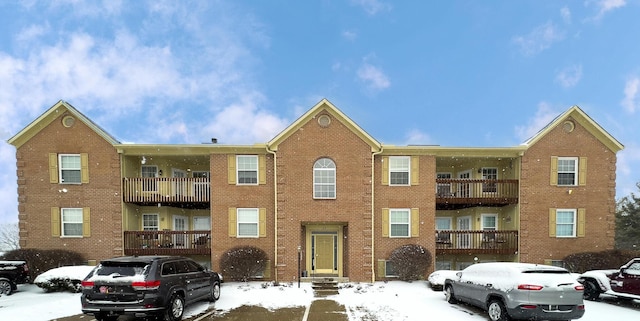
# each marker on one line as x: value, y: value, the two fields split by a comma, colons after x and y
x: 233, y: 222
x: 262, y: 222
x: 231, y: 169
x: 582, y: 217
x: 552, y: 222
x: 385, y: 170
x: 53, y: 168
x: 554, y: 170
x: 415, y: 170
x: 86, y: 222
x: 84, y: 168
x: 262, y: 169
x: 415, y: 222
x: 55, y: 221
x: 582, y: 171
x: 385, y: 222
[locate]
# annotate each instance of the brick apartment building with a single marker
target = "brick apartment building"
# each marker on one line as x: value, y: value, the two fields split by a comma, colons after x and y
x: 323, y: 188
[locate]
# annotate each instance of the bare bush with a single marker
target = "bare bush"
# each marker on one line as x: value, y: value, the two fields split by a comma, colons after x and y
x: 410, y: 261
x: 243, y: 263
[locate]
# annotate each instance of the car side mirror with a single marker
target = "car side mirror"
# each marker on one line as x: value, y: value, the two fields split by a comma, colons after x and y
x: 459, y: 274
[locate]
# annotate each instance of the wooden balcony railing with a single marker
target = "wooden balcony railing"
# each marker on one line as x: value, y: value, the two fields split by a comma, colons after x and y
x: 490, y: 192
x: 165, y: 190
x: 476, y: 242
x: 167, y: 242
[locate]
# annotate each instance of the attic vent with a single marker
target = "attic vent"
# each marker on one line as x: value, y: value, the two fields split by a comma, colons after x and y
x: 68, y: 121
x: 568, y: 126
x: 324, y: 121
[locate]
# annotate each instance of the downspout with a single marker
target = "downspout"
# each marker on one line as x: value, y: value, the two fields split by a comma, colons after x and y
x: 275, y: 214
x: 373, y: 215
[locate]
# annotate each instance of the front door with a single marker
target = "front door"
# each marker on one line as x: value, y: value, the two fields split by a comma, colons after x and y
x: 324, y: 253
x: 464, y: 189
x: 180, y: 223
x: 464, y: 239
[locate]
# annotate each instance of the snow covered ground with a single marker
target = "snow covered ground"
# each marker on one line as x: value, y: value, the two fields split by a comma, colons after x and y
x: 379, y: 301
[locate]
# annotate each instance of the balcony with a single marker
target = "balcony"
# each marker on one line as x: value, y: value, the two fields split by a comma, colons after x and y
x: 172, y: 191
x: 167, y: 242
x: 463, y: 193
x: 476, y: 242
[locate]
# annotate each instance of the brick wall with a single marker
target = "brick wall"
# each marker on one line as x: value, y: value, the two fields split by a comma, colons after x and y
x: 102, y: 194
x: 538, y: 196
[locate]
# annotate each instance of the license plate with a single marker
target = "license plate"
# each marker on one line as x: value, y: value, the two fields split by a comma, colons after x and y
x: 104, y: 289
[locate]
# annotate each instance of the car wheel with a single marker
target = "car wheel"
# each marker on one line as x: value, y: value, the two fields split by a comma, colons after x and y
x: 175, y: 309
x: 5, y: 287
x: 497, y: 311
x: 448, y: 294
x: 215, y: 292
x: 591, y: 291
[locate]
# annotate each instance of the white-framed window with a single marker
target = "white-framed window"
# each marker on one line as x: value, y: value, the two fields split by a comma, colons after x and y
x: 247, y: 169
x: 247, y: 222
x: 565, y: 222
x: 489, y: 173
x: 567, y: 171
x: 324, y: 179
x: 443, y: 223
x: 150, y: 172
x: 443, y: 189
x: 70, y: 168
x: 443, y: 265
x: 399, y: 222
x: 489, y: 222
x: 150, y: 222
x: 399, y: 170
x: 71, y: 222
x: 390, y: 270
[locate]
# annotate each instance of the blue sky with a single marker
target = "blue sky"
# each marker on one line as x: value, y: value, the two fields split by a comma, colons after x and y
x: 452, y: 73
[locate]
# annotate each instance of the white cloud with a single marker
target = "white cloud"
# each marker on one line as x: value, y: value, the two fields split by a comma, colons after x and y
x: 569, y: 76
x: 544, y: 115
x: 630, y: 102
x: 417, y: 137
x: 605, y: 6
x: 349, y: 35
x: 372, y: 7
x: 373, y: 77
x: 538, y: 40
x: 628, y: 162
x: 565, y: 13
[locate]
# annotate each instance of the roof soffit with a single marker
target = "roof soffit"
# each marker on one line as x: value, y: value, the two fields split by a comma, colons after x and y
x: 49, y: 116
x: 324, y: 105
x: 584, y: 120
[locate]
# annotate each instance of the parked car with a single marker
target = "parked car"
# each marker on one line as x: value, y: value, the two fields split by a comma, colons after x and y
x: 147, y: 286
x: 13, y: 273
x: 509, y: 290
x: 436, y: 279
x: 623, y: 283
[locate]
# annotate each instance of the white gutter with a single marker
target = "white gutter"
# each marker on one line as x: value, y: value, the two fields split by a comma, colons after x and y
x: 373, y: 215
x: 275, y: 214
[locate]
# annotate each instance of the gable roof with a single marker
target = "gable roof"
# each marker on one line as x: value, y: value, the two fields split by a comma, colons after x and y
x: 49, y: 116
x: 583, y: 119
x: 324, y: 104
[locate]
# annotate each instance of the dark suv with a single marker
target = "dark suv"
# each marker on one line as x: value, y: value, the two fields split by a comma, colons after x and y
x: 156, y: 287
x: 13, y: 273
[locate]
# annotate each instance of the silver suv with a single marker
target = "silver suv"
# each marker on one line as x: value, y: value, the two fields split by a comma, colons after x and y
x: 509, y: 290
x: 156, y: 287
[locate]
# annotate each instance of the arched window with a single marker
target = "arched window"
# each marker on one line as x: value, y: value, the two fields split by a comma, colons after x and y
x: 324, y: 179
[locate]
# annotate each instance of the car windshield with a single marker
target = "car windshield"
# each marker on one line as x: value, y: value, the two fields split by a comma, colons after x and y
x: 122, y: 268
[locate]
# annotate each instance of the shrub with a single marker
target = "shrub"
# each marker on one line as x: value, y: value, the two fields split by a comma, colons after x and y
x: 40, y: 261
x: 610, y: 259
x: 410, y: 261
x: 60, y: 285
x: 243, y: 263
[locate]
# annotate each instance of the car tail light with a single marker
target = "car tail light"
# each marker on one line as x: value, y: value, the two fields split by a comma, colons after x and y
x: 87, y: 284
x: 579, y: 287
x: 529, y: 306
x: 530, y: 287
x: 581, y: 307
x: 145, y: 285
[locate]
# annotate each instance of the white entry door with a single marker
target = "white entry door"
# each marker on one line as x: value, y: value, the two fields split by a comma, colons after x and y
x: 179, y: 185
x: 464, y: 224
x: 180, y: 223
x: 464, y: 189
